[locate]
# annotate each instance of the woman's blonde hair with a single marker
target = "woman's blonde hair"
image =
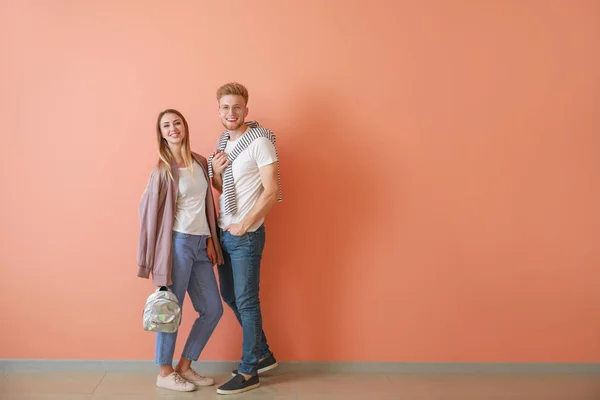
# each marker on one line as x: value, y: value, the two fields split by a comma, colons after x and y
x: 165, y: 156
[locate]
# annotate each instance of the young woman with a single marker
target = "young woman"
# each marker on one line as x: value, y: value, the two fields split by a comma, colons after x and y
x: 179, y: 246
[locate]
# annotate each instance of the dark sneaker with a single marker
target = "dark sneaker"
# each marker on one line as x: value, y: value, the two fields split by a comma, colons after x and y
x: 239, y: 384
x: 267, y: 364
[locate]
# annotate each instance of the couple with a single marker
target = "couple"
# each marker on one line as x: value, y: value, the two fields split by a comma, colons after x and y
x: 181, y: 237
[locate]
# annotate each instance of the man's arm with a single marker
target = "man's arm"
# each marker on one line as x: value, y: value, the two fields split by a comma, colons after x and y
x: 219, y: 163
x: 268, y: 198
x: 217, y: 182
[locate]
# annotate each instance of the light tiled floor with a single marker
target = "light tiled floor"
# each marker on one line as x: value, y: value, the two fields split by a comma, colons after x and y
x: 282, y: 386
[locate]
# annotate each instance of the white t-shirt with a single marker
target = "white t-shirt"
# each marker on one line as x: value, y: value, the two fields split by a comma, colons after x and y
x: 190, y: 214
x: 246, y: 178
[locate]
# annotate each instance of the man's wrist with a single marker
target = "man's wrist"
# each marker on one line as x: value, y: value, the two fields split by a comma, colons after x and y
x: 245, y: 226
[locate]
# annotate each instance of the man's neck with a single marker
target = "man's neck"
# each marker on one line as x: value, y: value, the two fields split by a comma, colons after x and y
x: 235, y: 135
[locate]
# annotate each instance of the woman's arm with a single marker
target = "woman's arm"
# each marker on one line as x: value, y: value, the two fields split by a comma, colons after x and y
x: 148, y: 213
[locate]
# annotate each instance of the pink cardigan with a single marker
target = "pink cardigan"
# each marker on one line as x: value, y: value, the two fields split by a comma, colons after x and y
x: 157, y: 216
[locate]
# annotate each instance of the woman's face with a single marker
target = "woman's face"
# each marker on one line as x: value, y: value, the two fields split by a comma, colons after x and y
x: 172, y: 128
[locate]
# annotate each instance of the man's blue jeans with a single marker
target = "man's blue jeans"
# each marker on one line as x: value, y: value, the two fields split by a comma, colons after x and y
x: 239, y: 279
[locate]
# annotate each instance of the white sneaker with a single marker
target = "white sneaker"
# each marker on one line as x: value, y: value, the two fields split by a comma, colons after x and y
x: 198, y: 380
x: 175, y: 382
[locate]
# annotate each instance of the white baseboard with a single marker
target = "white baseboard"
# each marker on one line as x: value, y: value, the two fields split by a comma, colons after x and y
x: 219, y: 367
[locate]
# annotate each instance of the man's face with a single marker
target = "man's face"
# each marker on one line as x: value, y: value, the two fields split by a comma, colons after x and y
x: 232, y: 111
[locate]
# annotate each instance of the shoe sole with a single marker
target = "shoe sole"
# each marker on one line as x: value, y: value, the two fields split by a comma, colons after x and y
x: 202, y: 385
x: 178, y: 390
x: 262, y: 370
x: 221, y: 391
x: 268, y: 368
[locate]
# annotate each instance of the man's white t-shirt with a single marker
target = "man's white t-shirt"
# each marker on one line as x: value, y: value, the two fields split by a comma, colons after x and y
x: 246, y: 179
x: 190, y: 214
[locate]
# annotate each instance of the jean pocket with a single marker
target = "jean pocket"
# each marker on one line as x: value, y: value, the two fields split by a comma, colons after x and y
x: 233, y: 242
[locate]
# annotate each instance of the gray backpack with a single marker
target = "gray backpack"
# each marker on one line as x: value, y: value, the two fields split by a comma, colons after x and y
x: 162, y: 312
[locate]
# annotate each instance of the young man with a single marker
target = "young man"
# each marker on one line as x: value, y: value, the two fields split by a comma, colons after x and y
x: 245, y: 170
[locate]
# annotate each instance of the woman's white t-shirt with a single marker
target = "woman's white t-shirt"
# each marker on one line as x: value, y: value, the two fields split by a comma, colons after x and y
x: 190, y: 215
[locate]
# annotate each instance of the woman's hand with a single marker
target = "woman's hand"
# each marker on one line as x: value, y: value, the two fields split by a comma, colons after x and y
x: 210, y: 251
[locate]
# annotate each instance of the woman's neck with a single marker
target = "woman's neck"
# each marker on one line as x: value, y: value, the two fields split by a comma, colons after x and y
x: 176, y: 151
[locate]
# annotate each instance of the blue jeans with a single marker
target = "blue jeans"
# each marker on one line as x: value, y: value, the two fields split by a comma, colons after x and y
x: 192, y: 272
x: 239, y: 278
